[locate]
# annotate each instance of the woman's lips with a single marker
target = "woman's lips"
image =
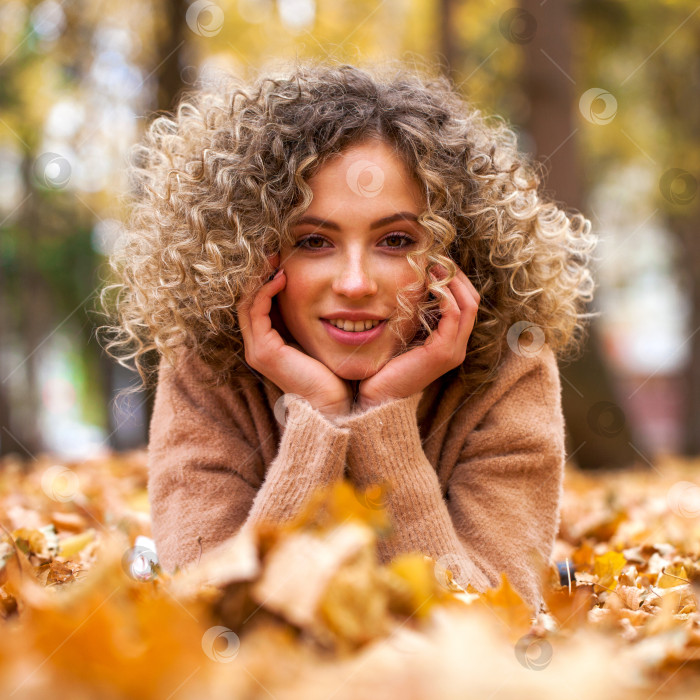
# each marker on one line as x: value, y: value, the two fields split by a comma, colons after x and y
x: 353, y: 337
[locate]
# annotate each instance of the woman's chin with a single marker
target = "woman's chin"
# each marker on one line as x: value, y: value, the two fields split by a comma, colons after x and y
x: 354, y: 376
x: 353, y: 371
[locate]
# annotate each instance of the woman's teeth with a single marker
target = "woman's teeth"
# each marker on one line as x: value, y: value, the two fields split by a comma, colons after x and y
x: 353, y: 326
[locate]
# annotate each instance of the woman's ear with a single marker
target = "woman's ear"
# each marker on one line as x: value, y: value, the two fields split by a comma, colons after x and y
x: 274, y: 260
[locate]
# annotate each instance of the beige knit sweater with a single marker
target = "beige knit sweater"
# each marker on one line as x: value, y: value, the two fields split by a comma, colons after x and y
x: 475, y: 483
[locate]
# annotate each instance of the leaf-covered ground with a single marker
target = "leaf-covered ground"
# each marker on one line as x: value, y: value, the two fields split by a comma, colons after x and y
x: 305, y: 611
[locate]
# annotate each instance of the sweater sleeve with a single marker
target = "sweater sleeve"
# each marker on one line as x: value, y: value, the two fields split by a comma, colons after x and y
x: 503, y: 496
x: 204, y: 469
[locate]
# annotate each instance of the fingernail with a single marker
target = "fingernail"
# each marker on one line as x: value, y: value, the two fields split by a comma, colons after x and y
x: 275, y: 274
x: 440, y: 272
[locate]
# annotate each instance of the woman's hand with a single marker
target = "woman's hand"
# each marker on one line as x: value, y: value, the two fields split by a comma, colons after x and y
x: 414, y: 370
x: 291, y: 369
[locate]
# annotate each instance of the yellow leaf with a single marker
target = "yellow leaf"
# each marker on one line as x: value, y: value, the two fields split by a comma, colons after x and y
x: 418, y: 573
x: 72, y: 545
x: 673, y: 575
x: 29, y: 540
x: 334, y: 504
x: 608, y: 567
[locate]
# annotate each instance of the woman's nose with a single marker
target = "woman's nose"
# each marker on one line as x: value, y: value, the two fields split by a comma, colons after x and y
x: 354, y: 279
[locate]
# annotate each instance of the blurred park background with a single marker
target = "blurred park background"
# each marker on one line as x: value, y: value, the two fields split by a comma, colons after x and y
x: 605, y: 93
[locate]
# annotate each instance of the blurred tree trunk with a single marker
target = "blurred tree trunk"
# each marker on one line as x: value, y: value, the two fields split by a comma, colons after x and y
x: 447, y: 38
x: 687, y: 231
x: 8, y: 441
x: 169, y: 61
x: 680, y: 108
x: 172, y: 49
x: 597, y: 432
x: 691, y: 403
x: 34, y: 319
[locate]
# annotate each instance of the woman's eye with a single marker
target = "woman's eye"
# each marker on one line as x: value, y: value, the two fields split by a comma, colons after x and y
x: 403, y: 240
x: 393, y: 240
x: 310, y: 239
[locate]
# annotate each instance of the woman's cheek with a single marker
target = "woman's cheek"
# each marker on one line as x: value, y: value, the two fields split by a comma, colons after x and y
x: 295, y: 303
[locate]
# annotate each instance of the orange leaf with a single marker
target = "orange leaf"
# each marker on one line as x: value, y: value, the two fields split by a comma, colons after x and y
x: 509, y: 607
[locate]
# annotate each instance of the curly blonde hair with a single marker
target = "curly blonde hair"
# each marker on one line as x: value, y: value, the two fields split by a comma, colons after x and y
x: 219, y: 185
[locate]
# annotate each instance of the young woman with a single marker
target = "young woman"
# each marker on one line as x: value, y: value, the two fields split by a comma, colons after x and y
x: 410, y: 252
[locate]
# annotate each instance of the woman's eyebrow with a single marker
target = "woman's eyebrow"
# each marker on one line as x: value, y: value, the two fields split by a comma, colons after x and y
x: 324, y: 223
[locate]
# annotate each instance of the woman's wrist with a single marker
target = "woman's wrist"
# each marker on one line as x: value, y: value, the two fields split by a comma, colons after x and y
x: 364, y: 403
x: 331, y: 411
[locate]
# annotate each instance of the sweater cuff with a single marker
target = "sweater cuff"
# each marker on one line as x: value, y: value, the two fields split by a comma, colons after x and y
x: 309, y: 437
x: 311, y: 455
x: 384, y: 439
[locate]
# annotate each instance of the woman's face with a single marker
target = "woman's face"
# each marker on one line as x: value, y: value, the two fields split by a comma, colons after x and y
x: 349, y: 258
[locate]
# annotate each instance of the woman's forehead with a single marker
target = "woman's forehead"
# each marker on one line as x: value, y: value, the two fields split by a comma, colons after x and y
x: 369, y: 175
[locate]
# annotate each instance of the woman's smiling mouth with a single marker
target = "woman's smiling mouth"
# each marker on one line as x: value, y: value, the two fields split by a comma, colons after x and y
x: 347, y: 325
x: 372, y: 329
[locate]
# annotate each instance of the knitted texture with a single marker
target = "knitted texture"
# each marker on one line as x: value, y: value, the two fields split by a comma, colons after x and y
x: 475, y: 483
